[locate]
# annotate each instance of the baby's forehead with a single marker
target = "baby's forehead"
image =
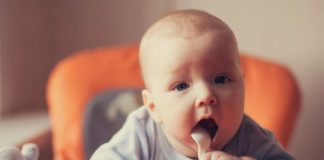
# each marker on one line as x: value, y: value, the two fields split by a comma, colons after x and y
x: 203, y: 48
x: 188, y: 24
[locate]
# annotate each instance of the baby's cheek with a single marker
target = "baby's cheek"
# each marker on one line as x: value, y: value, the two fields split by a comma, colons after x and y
x: 181, y: 130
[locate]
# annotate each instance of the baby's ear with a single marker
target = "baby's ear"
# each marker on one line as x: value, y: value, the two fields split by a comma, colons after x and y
x: 150, y: 106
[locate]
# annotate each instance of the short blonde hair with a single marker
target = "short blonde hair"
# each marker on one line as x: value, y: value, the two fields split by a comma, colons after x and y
x: 182, y: 24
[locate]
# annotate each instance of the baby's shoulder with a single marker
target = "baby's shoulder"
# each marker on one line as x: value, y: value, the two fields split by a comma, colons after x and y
x: 139, y: 121
x: 139, y: 115
x: 251, y: 128
x: 259, y: 142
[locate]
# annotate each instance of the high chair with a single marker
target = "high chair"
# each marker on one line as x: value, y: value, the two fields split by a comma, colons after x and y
x: 272, y: 95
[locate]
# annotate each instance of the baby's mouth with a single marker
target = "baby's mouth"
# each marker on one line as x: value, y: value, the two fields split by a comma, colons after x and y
x: 210, y: 126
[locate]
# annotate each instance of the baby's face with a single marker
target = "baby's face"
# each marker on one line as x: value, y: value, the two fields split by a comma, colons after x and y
x: 193, y: 82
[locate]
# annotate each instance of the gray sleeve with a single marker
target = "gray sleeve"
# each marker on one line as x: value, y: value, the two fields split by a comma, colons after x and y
x: 276, y: 152
x: 269, y: 149
x: 129, y: 142
x: 262, y: 144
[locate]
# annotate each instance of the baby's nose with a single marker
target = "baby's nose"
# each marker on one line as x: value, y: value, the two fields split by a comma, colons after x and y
x: 206, y: 97
x: 207, y: 101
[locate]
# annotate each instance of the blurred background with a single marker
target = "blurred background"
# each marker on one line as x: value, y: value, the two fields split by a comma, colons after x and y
x: 36, y: 34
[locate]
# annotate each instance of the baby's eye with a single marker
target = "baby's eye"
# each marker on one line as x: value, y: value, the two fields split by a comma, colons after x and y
x: 222, y: 79
x: 181, y: 86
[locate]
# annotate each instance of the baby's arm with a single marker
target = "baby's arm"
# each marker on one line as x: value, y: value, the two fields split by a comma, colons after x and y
x: 214, y: 155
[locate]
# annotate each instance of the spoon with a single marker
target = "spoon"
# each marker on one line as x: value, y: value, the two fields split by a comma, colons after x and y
x: 202, y: 138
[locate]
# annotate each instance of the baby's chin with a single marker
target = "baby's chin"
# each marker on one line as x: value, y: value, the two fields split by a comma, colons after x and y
x: 191, y: 151
x: 183, y: 145
x: 189, y: 148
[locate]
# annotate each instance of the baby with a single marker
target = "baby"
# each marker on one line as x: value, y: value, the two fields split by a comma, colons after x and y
x: 191, y: 69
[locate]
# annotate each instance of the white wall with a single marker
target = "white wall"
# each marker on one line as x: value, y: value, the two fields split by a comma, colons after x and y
x: 85, y: 24
x: 36, y: 34
x: 24, y: 53
x: 291, y: 32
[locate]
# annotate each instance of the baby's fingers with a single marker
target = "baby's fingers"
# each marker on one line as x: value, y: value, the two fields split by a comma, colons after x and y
x: 247, y: 158
x: 217, y: 155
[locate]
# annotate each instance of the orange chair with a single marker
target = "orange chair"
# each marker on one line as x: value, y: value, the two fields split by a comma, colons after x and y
x: 272, y: 95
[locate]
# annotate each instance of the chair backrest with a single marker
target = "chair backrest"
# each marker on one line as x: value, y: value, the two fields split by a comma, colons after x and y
x: 272, y: 95
x: 105, y: 114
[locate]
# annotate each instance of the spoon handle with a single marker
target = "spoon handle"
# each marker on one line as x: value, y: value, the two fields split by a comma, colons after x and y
x: 202, y: 138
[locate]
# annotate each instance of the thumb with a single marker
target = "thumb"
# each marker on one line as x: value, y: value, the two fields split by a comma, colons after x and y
x: 204, y: 156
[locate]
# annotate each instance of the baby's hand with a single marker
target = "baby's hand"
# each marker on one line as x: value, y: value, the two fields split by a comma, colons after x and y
x: 219, y: 155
